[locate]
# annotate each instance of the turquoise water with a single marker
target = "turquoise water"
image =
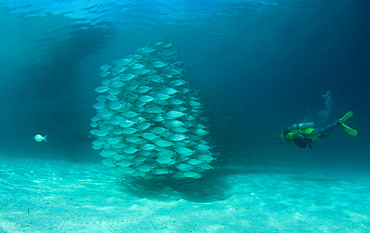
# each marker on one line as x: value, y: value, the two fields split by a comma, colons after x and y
x: 60, y: 196
x: 256, y: 66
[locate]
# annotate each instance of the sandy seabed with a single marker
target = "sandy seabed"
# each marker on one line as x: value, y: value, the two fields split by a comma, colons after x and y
x: 60, y: 196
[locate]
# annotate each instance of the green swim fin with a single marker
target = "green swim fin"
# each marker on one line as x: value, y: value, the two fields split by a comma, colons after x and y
x: 346, y: 128
x: 349, y: 130
x: 346, y: 116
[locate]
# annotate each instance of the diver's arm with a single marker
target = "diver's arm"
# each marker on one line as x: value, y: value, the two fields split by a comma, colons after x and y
x: 299, y: 135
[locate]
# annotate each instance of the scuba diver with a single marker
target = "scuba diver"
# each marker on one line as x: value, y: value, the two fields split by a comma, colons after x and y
x: 303, y: 134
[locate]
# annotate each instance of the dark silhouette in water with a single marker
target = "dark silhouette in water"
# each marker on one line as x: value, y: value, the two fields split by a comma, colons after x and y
x: 303, y: 134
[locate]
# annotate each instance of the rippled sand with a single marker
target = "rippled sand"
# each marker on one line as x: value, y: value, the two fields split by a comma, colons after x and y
x: 59, y: 196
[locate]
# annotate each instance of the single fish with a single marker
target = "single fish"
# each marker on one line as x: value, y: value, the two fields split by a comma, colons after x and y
x: 40, y: 138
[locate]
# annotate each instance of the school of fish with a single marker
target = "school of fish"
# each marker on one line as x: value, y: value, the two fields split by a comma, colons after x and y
x: 148, y: 121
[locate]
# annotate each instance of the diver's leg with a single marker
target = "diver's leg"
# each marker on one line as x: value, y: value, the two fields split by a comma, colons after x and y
x: 323, y: 131
x: 327, y: 130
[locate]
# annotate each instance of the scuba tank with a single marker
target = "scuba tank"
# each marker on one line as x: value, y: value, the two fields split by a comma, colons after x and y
x: 302, y: 126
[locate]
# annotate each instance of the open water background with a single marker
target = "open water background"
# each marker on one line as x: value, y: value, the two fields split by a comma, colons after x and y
x: 258, y: 65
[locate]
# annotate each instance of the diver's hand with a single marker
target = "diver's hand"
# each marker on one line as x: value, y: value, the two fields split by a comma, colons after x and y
x: 307, y: 140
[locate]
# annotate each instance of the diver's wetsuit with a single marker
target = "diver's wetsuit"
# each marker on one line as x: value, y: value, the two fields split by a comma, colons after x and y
x: 303, y: 137
x: 324, y: 132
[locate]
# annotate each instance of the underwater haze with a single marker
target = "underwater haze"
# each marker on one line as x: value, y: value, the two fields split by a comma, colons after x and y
x: 256, y: 66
